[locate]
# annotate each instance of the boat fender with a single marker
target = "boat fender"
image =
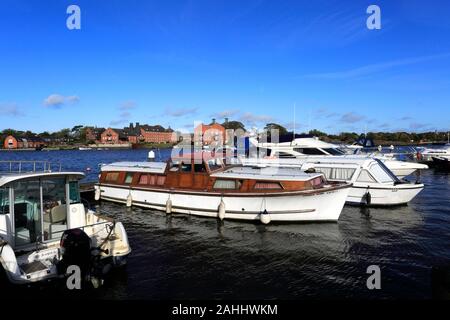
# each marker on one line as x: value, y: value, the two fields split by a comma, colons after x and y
x: 97, y: 194
x: 368, y: 198
x: 221, y: 211
x: 264, y: 217
x: 129, y: 200
x: 169, y: 206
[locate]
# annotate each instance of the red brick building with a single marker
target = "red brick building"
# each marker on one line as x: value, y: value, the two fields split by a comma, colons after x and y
x: 113, y: 136
x: 12, y: 142
x: 138, y: 133
x: 207, y: 134
x: 94, y: 134
x: 157, y: 134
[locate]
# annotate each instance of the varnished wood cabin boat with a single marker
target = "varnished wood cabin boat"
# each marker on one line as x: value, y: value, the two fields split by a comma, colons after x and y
x: 203, y: 185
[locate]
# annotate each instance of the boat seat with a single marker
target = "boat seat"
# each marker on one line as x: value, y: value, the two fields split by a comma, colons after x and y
x: 57, y: 214
x: 57, y: 221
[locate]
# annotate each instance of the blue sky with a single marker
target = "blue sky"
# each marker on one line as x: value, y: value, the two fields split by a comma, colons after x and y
x: 175, y: 62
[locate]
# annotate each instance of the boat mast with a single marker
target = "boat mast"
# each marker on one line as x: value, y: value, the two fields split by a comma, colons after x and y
x: 295, y: 106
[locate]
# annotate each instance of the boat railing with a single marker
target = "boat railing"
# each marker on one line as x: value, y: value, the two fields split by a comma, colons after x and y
x: 27, y: 166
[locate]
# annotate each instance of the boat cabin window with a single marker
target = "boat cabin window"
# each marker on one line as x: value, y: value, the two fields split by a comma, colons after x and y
x: 112, y: 177
x: 151, y: 179
x: 379, y: 173
x: 338, y: 174
x: 174, y: 167
x: 27, y: 212
x: 265, y: 185
x: 214, y: 164
x: 199, y: 167
x: 309, y: 151
x: 285, y: 155
x: 365, y: 176
x: 186, y: 167
x: 4, y: 200
x: 129, y: 177
x: 334, y: 152
x: 54, y: 207
x: 74, y: 192
x: 227, y: 184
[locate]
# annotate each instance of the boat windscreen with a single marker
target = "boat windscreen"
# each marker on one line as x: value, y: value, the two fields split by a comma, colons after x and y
x: 383, y: 173
x: 4, y: 200
x: 334, y: 151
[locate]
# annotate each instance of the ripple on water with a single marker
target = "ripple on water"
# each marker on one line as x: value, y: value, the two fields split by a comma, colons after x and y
x: 185, y: 257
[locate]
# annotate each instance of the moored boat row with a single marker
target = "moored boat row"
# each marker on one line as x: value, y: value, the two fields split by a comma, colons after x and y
x: 205, y: 186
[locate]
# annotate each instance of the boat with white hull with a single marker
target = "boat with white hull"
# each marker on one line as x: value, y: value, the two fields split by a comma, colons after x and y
x: 372, y: 182
x: 43, y: 224
x: 308, y: 146
x: 211, y: 189
x: 426, y: 155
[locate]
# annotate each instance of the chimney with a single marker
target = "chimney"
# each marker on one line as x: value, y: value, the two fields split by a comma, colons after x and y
x: 214, y: 120
x: 137, y: 125
x: 131, y: 125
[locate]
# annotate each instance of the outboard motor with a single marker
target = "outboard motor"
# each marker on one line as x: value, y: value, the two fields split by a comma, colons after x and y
x: 76, y: 250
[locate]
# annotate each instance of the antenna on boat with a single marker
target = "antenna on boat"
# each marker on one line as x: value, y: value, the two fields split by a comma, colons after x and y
x: 295, y: 106
x: 309, y: 120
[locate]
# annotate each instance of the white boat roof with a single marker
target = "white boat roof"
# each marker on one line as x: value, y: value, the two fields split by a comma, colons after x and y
x: 301, y: 143
x: 266, y: 173
x: 335, y: 160
x: 148, y: 167
x: 8, y: 178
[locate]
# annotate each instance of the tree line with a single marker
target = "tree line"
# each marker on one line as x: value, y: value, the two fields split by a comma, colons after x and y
x: 77, y: 134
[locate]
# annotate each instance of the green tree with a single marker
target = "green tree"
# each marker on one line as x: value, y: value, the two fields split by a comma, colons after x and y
x: 235, y: 125
x: 274, y: 126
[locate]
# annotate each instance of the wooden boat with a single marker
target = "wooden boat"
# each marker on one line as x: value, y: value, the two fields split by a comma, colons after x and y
x: 203, y: 185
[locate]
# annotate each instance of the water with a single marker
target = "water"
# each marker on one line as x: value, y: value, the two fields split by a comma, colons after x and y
x: 184, y: 257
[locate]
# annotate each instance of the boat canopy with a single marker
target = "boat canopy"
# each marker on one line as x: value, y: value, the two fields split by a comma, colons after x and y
x: 6, y: 179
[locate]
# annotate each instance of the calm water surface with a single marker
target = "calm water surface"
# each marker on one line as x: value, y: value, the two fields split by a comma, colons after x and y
x: 184, y: 257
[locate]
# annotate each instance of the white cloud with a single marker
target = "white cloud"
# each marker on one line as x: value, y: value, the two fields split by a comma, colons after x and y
x: 225, y: 113
x: 10, y: 109
x: 251, y: 118
x: 376, y: 68
x: 351, y: 117
x: 57, y: 100
x: 127, y: 105
x: 180, y: 112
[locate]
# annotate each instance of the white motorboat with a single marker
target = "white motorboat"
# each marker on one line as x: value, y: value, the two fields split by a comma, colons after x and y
x: 310, y: 146
x: 45, y: 228
x: 204, y: 186
x: 426, y: 155
x: 372, y: 182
